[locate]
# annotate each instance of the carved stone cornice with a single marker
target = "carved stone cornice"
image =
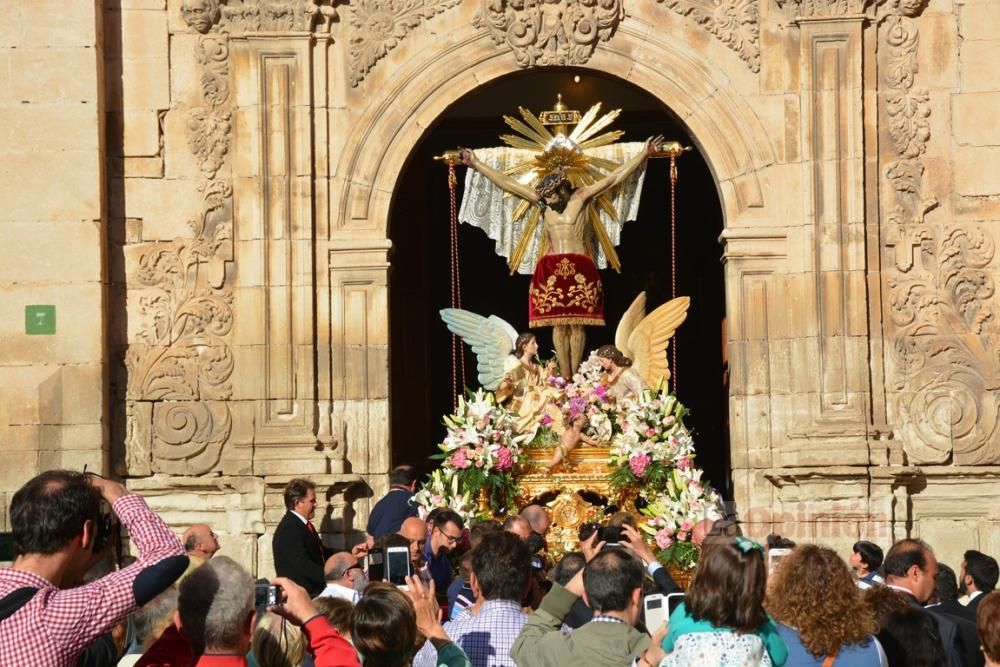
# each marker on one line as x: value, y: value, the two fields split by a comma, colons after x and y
x: 799, y: 10
x: 735, y: 23
x: 560, y: 32
x: 378, y: 26
x: 249, y: 16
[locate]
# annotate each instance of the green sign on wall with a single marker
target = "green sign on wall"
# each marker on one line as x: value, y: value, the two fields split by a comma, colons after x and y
x: 40, y: 320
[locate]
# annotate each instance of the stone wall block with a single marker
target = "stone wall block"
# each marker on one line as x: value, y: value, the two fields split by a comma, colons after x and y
x: 937, y: 57
x: 976, y: 118
x: 77, y: 308
x: 163, y: 205
x: 33, y: 127
x: 144, y: 34
x: 54, y: 75
x: 41, y: 243
x: 26, y: 181
x: 141, y: 133
x: 10, y: 27
x: 977, y: 63
x: 976, y: 171
x: 978, y: 21
x: 145, y: 83
x: 75, y: 26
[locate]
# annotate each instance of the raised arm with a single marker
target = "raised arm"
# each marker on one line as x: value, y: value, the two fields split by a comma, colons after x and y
x: 503, y: 181
x: 618, y: 176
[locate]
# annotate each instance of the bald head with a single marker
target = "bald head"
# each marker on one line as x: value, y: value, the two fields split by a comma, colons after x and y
x: 537, y: 517
x: 519, y: 526
x: 415, y: 530
x: 200, y: 541
x: 337, y: 566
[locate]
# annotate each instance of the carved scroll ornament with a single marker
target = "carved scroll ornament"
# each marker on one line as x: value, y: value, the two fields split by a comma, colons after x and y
x: 948, y: 373
x: 250, y: 16
x: 377, y: 27
x: 550, y: 32
x: 735, y: 23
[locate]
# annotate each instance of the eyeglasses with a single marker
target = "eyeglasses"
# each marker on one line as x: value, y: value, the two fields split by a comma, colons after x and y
x: 452, y: 539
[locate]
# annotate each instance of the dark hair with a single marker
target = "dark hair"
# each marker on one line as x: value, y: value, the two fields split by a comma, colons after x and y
x: 728, y: 588
x: 446, y: 516
x: 945, y: 583
x: 50, y: 510
x: 903, y: 555
x: 296, y: 490
x: 910, y: 637
x: 338, y: 611
x: 502, y: 563
x: 479, y: 529
x: 392, y: 540
x: 988, y: 625
x: 567, y: 568
x: 623, y: 519
x: 404, y: 475
x: 384, y: 626
x: 609, y: 579
x: 551, y: 182
x: 983, y: 570
x: 615, y: 355
x: 871, y: 554
x: 775, y: 541
x: 521, y: 341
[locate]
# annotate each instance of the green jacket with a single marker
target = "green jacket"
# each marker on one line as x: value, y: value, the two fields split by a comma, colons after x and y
x: 542, y: 643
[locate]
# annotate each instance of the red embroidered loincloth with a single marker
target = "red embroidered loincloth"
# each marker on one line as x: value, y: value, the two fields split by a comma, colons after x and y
x: 565, y: 289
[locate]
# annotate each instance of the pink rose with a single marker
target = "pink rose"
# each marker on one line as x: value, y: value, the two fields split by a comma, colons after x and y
x: 682, y: 536
x: 459, y: 459
x: 504, y: 460
x: 684, y: 463
x: 639, y: 463
x: 686, y: 526
x: 663, y: 539
x: 650, y: 432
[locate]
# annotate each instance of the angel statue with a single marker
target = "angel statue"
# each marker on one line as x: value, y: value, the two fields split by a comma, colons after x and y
x: 506, y: 364
x: 638, y: 359
x: 566, y: 291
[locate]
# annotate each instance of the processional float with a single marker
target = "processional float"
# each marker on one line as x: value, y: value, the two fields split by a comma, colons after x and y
x: 499, y: 453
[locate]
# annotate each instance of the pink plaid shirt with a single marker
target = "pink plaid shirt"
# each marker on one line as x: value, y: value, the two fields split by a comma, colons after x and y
x: 54, y: 627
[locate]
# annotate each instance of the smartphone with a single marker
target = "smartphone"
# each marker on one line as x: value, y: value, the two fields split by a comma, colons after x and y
x: 654, y: 610
x: 397, y: 565
x: 266, y: 595
x: 376, y: 564
x: 673, y: 601
x: 774, y: 557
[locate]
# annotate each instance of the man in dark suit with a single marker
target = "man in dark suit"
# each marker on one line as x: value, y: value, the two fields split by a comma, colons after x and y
x: 910, y: 569
x: 979, y: 576
x: 946, y: 602
x: 395, y: 507
x: 298, y: 552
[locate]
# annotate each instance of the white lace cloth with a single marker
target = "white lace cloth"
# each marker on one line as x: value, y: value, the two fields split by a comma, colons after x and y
x: 725, y: 649
x: 485, y: 206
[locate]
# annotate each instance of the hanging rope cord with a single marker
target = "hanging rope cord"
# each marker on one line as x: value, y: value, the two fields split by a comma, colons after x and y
x: 457, y: 349
x: 673, y: 259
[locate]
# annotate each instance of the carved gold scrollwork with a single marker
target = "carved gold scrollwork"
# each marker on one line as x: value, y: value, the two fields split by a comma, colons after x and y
x: 377, y: 27
x: 550, y: 32
x: 735, y: 23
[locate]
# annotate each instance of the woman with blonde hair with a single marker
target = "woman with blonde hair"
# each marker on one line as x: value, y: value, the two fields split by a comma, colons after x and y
x: 277, y: 643
x: 820, y: 612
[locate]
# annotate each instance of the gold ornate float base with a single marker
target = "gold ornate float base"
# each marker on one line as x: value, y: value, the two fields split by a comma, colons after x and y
x: 570, y: 491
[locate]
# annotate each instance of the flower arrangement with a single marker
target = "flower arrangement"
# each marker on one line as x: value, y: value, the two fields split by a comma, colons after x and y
x: 442, y: 489
x: 588, y: 396
x: 652, y: 442
x: 481, y: 448
x: 673, y: 513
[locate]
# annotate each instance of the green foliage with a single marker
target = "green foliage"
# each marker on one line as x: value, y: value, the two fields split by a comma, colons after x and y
x: 545, y: 438
x: 682, y: 554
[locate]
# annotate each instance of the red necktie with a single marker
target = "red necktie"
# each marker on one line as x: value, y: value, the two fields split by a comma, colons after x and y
x: 311, y: 528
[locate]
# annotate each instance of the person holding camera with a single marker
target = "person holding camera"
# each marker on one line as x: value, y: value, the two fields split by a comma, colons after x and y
x: 59, y: 533
x: 611, y: 583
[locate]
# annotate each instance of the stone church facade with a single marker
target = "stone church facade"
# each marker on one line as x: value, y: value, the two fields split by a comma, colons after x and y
x: 201, y: 189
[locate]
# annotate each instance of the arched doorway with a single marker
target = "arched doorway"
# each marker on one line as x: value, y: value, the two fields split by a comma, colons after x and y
x: 420, y: 366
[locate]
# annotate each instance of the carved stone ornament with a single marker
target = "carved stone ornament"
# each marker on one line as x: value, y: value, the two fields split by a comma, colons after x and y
x: 250, y: 16
x: 735, y: 23
x: 550, y: 32
x: 947, y: 371
x: 179, y: 368
x: 200, y: 15
x: 378, y: 26
x: 824, y: 8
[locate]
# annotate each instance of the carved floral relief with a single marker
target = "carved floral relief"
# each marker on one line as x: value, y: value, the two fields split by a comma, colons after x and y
x: 550, y: 32
x: 735, y: 23
x: 940, y: 287
x: 179, y: 367
x: 377, y: 27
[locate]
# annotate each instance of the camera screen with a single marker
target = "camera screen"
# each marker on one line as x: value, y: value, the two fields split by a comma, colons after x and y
x: 398, y: 566
x: 265, y: 595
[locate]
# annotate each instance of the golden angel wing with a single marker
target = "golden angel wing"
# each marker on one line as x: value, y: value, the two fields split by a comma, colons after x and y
x: 649, y: 340
x: 629, y: 321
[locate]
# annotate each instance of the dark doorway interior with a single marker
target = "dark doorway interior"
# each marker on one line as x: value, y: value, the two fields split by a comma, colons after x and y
x: 420, y: 285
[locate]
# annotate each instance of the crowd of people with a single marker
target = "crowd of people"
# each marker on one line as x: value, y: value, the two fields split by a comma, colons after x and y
x: 480, y: 595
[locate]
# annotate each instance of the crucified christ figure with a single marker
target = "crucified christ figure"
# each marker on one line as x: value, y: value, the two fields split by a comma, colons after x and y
x: 566, y: 292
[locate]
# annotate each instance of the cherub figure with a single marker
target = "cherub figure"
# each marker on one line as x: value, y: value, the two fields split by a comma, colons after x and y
x: 571, y: 438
